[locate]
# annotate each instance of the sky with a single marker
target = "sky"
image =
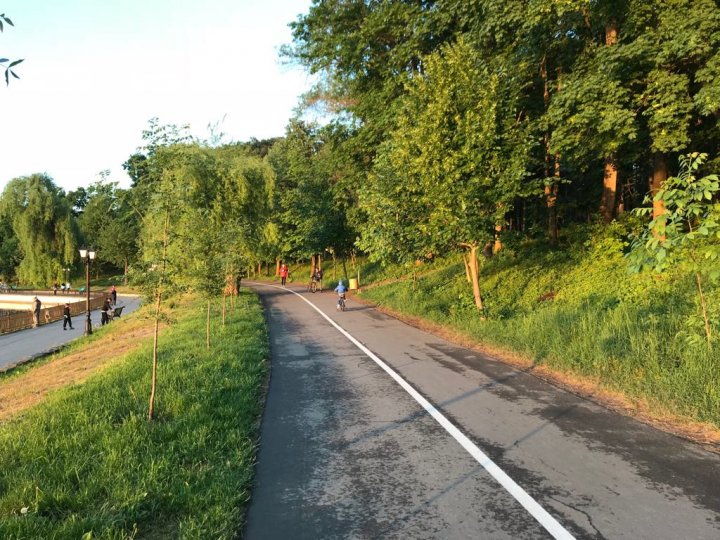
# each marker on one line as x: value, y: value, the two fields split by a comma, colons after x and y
x: 96, y: 71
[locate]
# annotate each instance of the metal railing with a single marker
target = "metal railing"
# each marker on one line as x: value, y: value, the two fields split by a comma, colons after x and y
x: 24, y: 319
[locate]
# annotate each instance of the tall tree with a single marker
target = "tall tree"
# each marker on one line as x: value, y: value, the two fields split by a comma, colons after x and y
x: 443, y: 165
x: 44, y: 227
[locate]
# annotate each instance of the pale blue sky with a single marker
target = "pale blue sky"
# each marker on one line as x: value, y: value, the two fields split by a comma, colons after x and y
x: 96, y: 71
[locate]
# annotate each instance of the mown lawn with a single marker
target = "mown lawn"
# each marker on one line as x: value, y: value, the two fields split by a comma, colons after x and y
x: 86, y: 463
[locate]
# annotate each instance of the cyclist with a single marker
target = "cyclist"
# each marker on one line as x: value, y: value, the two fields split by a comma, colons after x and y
x: 341, y: 290
x: 317, y: 277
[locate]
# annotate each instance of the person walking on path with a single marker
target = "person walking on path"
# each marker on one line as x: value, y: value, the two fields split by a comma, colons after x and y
x: 37, y: 305
x: 104, y: 312
x: 283, y: 274
x: 67, y: 321
x: 113, y: 295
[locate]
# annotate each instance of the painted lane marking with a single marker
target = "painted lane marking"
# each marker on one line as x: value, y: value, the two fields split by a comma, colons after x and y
x: 542, y: 516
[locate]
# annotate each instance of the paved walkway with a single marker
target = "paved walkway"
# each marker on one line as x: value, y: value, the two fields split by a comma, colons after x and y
x: 349, y: 450
x: 19, y: 347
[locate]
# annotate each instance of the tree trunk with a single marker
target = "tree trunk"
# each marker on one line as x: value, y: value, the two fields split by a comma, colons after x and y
x: 467, y: 268
x: 551, y: 193
x: 610, y: 174
x: 703, y: 305
x: 660, y: 174
x: 551, y: 186
x: 207, y: 326
x: 473, y: 262
x: 156, y: 331
x: 345, y: 273
x: 497, y: 246
x: 334, y: 265
x: 277, y: 267
x: 610, y: 177
x: 312, y: 265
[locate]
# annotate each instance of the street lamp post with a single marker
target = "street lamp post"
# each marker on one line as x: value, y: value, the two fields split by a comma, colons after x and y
x: 87, y: 255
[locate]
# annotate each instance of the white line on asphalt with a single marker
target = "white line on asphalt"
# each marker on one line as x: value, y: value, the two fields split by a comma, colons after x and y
x: 520, y: 495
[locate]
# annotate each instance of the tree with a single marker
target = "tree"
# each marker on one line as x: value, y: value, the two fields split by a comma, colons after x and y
x: 42, y: 222
x: 109, y: 222
x: 10, y: 255
x: 442, y: 180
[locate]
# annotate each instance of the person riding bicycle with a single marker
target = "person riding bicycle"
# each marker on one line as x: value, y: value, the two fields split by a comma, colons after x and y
x: 341, y: 289
x: 317, y: 277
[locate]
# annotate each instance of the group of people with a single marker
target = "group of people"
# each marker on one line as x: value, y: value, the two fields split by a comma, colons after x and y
x: 106, y: 312
x: 316, y: 277
x: 108, y: 307
x: 62, y: 287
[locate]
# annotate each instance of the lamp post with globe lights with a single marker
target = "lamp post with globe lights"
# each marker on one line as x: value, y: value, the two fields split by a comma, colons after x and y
x: 87, y: 255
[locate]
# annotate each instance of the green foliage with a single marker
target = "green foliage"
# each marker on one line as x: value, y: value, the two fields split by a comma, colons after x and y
x: 440, y: 180
x: 88, y: 462
x: 688, y: 232
x: 10, y: 64
x: 686, y: 236
x: 43, y: 225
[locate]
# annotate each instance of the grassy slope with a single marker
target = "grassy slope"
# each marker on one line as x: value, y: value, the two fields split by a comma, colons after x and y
x: 577, y: 310
x: 87, y: 459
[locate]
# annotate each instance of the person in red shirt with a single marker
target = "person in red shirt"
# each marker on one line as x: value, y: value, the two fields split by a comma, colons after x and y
x: 283, y: 274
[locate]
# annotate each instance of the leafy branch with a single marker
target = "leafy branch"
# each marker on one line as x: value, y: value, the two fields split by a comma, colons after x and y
x: 8, y: 69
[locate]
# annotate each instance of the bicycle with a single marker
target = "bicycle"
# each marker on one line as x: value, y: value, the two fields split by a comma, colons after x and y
x: 313, y: 286
x: 341, y: 303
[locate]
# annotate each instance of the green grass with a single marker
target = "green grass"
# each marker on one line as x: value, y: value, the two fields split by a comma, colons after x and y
x: 577, y: 310
x: 87, y: 461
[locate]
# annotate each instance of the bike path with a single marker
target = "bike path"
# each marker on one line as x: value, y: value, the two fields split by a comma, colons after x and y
x: 345, y: 452
x: 25, y: 345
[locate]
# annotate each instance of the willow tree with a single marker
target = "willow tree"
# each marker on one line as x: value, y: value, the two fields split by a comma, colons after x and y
x: 452, y: 166
x: 43, y: 225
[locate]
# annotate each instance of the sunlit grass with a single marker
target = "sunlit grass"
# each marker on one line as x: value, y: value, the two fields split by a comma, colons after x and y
x: 633, y: 334
x: 87, y: 460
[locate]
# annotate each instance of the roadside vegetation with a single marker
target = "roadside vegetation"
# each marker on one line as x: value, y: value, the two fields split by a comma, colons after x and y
x: 579, y: 311
x: 86, y: 463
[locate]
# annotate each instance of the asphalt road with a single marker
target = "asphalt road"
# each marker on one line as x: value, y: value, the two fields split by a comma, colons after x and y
x: 347, y: 452
x: 19, y: 347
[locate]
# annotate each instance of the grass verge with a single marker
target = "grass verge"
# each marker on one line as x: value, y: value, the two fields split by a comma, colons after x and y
x: 577, y: 314
x: 85, y: 463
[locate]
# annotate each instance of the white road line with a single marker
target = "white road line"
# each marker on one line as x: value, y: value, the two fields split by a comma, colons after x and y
x: 531, y: 505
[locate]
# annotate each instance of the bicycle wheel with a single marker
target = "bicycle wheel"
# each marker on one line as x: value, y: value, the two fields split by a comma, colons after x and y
x: 313, y: 286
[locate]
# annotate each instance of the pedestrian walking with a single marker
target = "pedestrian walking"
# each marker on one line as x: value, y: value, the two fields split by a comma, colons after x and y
x: 105, y: 312
x: 36, y: 307
x: 113, y: 295
x: 67, y: 321
x: 284, y: 271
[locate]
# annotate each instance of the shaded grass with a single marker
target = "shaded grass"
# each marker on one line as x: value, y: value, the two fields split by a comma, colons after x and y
x: 87, y: 460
